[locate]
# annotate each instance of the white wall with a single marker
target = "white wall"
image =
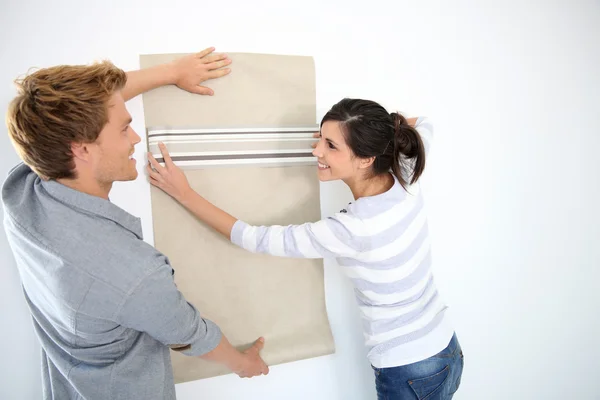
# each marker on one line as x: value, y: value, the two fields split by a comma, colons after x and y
x: 512, y: 184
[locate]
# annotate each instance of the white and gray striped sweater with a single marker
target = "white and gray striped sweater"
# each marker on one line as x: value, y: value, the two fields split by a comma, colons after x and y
x: 382, y: 243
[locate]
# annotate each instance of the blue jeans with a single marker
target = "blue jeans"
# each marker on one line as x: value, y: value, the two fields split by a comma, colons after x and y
x: 435, y: 378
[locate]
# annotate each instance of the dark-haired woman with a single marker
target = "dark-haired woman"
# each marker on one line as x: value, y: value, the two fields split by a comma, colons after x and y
x: 380, y: 240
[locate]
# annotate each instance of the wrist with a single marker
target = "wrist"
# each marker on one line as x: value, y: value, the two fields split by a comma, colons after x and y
x: 171, y: 73
x: 238, y: 362
x: 186, y: 196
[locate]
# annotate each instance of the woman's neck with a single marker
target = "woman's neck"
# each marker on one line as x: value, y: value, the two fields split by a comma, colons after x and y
x: 372, y: 186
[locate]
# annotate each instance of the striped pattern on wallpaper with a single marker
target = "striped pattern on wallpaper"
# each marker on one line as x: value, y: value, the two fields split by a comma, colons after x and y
x: 191, y: 148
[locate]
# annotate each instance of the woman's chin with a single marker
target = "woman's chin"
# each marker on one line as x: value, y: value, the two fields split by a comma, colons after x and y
x: 325, y: 176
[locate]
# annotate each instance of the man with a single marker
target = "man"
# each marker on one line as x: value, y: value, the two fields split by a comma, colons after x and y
x: 104, y: 304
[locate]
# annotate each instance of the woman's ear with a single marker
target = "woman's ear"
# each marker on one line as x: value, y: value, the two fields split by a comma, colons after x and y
x: 366, y: 162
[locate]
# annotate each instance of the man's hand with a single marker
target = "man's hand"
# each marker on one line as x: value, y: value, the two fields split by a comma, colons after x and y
x: 187, y: 72
x: 246, y: 364
x: 191, y: 70
x: 252, y: 364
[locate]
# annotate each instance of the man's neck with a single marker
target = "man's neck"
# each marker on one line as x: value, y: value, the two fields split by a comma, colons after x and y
x: 88, y: 186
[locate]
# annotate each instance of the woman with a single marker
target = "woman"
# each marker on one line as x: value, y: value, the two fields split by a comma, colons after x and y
x: 380, y: 240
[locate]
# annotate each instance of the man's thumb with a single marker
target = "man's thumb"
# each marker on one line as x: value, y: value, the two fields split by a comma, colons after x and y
x: 259, y: 344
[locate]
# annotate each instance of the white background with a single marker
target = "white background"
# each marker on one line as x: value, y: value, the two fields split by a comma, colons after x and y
x: 512, y: 184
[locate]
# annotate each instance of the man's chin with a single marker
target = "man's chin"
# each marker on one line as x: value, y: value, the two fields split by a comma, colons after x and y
x: 132, y: 176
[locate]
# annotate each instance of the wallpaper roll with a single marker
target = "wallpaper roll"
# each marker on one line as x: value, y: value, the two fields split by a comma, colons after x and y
x: 246, y: 149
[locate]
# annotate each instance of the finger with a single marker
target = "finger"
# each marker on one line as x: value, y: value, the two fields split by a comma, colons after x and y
x: 265, y: 369
x: 201, y: 90
x: 218, y: 64
x: 214, y: 58
x: 259, y: 344
x: 205, y: 52
x: 156, y: 183
x: 165, y: 154
x: 218, y: 73
x: 153, y: 174
x: 159, y: 168
x: 314, y: 145
x: 317, y: 135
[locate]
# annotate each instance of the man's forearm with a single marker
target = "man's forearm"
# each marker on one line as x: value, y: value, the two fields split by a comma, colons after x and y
x: 227, y: 355
x: 142, y: 80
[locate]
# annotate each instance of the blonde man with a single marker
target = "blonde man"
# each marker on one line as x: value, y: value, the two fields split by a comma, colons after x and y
x: 104, y: 304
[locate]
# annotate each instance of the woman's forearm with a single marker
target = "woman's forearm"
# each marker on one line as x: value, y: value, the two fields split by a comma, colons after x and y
x: 204, y: 210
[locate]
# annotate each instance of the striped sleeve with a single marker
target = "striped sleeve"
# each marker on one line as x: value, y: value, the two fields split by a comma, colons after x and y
x: 425, y: 129
x: 338, y: 236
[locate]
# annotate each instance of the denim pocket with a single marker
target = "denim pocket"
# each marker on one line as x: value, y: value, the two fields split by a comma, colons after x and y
x: 426, y: 388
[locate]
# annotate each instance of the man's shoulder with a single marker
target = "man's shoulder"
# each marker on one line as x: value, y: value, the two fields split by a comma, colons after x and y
x: 16, y: 187
x: 50, y: 230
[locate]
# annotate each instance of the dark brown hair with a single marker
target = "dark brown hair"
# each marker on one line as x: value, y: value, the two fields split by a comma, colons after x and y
x: 373, y: 132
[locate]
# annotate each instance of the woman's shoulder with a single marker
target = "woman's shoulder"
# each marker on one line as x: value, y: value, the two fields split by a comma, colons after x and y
x: 395, y: 203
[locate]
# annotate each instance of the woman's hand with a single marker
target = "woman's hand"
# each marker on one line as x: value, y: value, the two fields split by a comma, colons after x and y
x: 169, y: 178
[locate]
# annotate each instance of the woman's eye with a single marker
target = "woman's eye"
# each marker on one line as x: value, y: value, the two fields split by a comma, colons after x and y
x: 331, y: 146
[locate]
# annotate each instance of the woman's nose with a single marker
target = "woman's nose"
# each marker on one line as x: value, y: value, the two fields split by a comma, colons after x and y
x: 317, y: 151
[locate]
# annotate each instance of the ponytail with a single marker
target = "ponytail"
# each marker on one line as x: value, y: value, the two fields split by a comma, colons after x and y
x: 409, y: 151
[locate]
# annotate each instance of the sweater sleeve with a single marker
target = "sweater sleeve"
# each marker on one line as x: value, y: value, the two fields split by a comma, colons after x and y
x: 341, y: 235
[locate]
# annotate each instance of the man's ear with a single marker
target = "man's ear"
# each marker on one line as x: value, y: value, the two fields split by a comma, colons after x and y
x: 80, y: 151
x: 366, y: 162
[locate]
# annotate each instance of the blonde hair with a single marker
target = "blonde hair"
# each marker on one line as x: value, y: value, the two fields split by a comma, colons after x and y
x: 56, y: 107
